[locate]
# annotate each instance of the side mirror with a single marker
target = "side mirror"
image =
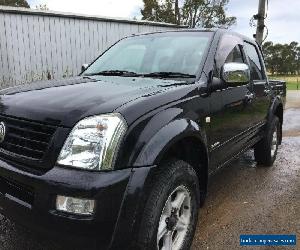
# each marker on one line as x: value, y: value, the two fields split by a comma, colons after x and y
x: 84, y: 67
x: 235, y: 74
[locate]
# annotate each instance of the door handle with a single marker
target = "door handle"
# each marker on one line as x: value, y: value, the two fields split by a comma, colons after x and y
x: 267, y: 91
x: 249, y: 97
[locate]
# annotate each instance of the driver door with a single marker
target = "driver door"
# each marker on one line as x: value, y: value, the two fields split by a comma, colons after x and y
x: 230, y: 106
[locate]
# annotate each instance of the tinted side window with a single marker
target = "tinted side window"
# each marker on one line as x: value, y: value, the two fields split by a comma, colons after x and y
x: 228, y: 48
x: 235, y: 55
x: 254, y: 61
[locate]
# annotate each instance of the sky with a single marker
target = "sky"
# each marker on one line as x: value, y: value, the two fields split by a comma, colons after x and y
x: 283, y: 17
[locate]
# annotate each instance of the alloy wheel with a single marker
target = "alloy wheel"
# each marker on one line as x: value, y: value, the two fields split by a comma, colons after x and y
x: 174, y: 220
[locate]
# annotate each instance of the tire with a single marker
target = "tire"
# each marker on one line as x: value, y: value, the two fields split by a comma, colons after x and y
x: 174, y: 182
x: 265, y: 151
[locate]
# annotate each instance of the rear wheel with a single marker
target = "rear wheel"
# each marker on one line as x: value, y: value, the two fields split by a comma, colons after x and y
x: 265, y: 151
x: 171, y: 211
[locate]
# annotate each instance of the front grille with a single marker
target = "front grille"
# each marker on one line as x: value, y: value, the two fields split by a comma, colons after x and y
x: 26, y: 138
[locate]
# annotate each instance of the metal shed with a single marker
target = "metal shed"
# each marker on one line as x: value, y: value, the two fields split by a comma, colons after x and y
x: 38, y: 44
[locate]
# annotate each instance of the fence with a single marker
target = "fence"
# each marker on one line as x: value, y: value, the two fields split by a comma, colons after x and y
x: 38, y: 45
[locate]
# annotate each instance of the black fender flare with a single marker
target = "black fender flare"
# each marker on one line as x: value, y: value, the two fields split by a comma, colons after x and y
x: 276, y: 102
x: 173, y: 132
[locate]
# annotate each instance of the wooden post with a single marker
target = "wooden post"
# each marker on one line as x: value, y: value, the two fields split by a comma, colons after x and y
x: 260, y: 21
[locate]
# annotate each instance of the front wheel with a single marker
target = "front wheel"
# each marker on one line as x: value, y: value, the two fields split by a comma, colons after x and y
x: 265, y: 151
x: 170, y: 215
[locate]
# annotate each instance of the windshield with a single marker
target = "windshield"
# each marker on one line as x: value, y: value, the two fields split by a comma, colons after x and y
x: 171, y: 52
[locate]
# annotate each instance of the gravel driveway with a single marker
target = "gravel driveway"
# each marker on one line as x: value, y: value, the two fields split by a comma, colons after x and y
x: 242, y: 199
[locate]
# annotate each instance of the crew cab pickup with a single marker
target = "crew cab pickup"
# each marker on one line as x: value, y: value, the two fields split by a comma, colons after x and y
x: 121, y: 155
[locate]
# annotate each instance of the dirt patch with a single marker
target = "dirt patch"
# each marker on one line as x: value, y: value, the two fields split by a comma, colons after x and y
x: 246, y: 199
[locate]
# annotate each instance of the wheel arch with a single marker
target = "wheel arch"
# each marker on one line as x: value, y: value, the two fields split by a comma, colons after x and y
x: 277, y: 110
x: 182, y: 139
x: 193, y: 151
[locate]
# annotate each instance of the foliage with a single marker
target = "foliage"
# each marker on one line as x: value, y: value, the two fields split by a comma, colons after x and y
x: 42, y: 7
x: 15, y: 3
x: 193, y: 13
x: 282, y: 58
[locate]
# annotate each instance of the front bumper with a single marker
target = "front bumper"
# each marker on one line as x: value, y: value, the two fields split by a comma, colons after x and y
x: 29, y: 199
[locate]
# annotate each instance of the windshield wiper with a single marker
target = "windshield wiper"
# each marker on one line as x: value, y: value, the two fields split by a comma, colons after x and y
x: 169, y: 75
x: 114, y: 73
x: 134, y: 74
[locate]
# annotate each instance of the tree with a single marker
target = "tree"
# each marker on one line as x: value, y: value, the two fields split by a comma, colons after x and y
x: 15, y: 3
x: 193, y: 13
x: 282, y: 58
x: 151, y: 10
x: 42, y: 7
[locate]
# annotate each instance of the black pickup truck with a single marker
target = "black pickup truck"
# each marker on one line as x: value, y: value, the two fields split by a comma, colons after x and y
x: 120, y: 156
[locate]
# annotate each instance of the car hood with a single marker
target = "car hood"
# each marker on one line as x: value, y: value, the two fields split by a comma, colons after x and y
x: 67, y: 101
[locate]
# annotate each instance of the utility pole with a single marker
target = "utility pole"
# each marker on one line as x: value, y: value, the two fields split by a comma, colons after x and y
x: 177, y: 13
x: 260, y: 17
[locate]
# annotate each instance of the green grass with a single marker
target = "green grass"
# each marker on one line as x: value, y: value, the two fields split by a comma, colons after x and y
x: 292, y: 86
x: 291, y: 81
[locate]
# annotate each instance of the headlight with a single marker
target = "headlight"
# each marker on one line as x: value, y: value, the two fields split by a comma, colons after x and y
x: 93, y: 142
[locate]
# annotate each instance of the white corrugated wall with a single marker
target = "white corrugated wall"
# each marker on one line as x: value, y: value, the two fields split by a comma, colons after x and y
x: 36, y: 45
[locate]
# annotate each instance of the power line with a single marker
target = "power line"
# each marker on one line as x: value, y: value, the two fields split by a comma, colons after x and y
x: 267, y: 33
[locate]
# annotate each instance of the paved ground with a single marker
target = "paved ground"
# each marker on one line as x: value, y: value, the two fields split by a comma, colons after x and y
x: 243, y: 199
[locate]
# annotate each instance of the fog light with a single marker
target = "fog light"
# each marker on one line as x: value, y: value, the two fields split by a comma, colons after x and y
x: 75, y: 205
